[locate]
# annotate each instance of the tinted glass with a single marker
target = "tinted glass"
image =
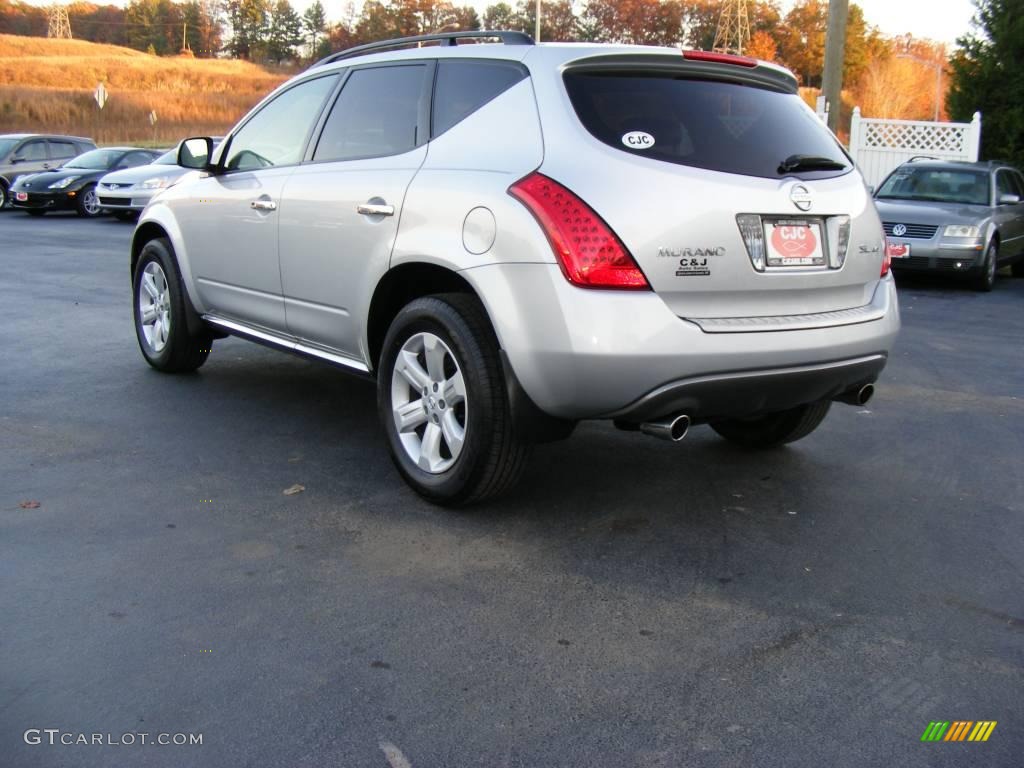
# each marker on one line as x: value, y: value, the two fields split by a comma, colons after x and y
x: 1006, y: 184
x: 376, y: 114
x: 97, y: 160
x: 6, y: 145
x: 133, y: 159
x: 276, y: 135
x: 938, y: 185
x: 465, y: 86
x: 702, y: 123
x: 33, y: 150
x: 167, y: 158
x: 62, y: 149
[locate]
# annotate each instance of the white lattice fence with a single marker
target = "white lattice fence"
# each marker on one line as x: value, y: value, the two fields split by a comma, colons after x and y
x: 878, y: 146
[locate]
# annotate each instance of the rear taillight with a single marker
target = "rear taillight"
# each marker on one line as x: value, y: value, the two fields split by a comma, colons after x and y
x: 886, y: 258
x: 590, y: 254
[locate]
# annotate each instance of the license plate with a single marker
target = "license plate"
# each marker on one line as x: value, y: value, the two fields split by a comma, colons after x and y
x: 898, y: 250
x: 21, y: 197
x: 794, y: 243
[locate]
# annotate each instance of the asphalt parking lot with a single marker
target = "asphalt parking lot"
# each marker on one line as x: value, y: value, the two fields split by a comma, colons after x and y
x: 633, y: 603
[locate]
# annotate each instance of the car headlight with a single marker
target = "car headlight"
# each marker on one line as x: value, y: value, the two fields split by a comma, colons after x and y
x: 961, y: 230
x: 64, y: 183
x: 158, y: 182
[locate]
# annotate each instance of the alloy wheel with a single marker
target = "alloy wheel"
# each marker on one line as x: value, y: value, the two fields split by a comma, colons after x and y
x: 155, y: 307
x: 428, y: 403
x: 90, y: 202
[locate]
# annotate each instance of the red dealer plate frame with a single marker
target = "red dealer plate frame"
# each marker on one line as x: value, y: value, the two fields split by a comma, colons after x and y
x: 801, y: 233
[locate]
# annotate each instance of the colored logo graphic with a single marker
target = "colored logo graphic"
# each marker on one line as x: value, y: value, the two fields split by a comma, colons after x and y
x: 794, y: 242
x: 958, y: 730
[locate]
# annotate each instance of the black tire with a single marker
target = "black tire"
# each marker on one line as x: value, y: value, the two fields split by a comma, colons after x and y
x: 493, y: 456
x: 182, y: 352
x: 774, y: 429
x: 986, y: 279
x: 3, y: 195
x: 126, y: 215
x: 34, y: 212
x: 88, y: 204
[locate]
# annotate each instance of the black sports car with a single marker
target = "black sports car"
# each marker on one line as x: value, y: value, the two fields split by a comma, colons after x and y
x: 72, y: 187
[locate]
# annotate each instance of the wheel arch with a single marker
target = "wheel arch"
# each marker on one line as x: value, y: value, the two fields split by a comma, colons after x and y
x: 413, y: 280
x: 151, y: 230
x: 400, y: 285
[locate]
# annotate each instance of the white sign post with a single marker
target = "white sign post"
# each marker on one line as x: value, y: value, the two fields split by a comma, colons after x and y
x: 152, y: 122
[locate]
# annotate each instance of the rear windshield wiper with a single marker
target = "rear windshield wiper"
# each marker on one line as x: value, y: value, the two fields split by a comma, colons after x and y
x: 809, y: 163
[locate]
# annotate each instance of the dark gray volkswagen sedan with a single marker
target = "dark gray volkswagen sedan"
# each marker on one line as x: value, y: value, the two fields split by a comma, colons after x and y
x: 954, y: 217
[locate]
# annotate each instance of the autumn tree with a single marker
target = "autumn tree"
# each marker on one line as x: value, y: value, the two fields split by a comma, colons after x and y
x: 762, y: 46
x: 283, y: 33
x: 647, y: 22
x: 986, y: 77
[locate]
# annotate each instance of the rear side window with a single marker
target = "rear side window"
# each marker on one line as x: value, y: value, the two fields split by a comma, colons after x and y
x: 717, y: 125
x: 377, y: 114
x: 463, y: 86
x: 64, y: 149
x: 1006, y: 184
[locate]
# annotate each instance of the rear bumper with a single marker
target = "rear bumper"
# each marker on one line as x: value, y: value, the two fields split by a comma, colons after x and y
x: 753, y: 392
x: 583, y: 354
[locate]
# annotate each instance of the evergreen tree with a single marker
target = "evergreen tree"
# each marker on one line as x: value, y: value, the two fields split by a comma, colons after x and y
x: 986, y: 77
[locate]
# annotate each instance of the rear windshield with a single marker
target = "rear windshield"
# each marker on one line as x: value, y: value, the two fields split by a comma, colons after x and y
x: 717, y: 125
x: 936, y: 185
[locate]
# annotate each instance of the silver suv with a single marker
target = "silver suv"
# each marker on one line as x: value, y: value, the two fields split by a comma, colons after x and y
x: 514, y: 237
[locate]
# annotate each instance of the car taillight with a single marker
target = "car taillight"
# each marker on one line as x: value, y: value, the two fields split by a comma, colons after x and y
x: 590, y: 254
x: 886, y: 258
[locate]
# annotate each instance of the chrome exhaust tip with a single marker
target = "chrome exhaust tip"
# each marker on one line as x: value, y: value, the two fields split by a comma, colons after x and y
x: 858, y: 396
x: 672, y: 428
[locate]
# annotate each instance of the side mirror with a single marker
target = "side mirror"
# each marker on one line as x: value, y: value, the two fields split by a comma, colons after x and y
x: 195, y: 153
x: 17, y: 159
x: 1008, y: 199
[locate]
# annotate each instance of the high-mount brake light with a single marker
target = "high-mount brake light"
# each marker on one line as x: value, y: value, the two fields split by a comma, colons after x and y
x: 589, y: 253
x: 720, y: 58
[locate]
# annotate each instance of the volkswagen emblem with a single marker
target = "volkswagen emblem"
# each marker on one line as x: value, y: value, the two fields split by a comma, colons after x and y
x: 801, y: 197
x: 899, y: 230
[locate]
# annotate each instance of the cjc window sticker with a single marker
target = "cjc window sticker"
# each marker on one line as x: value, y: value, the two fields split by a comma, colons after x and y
x: 638, y: 140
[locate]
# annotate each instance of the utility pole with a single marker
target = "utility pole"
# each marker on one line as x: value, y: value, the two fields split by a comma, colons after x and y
x: 835, y: 43
x: 536, y: 26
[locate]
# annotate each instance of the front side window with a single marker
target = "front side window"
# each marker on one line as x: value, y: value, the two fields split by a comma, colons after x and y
x: 133, y: 159
x: 276, y: 135
x: 710, y: 124
x: 376, y: 115
x: 1006, y: 184
x: 464, y: 85
x: 32, y: 151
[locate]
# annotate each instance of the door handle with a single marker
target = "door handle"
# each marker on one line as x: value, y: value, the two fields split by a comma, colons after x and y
x: 263, y: 205
x: 376, y: 209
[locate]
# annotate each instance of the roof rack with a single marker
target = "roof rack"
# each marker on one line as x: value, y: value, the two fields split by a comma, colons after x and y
x: 444, y: 38
x: 915, y: 158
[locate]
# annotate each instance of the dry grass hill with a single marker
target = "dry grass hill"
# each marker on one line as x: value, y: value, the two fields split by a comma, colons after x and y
x: 47, y: 86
